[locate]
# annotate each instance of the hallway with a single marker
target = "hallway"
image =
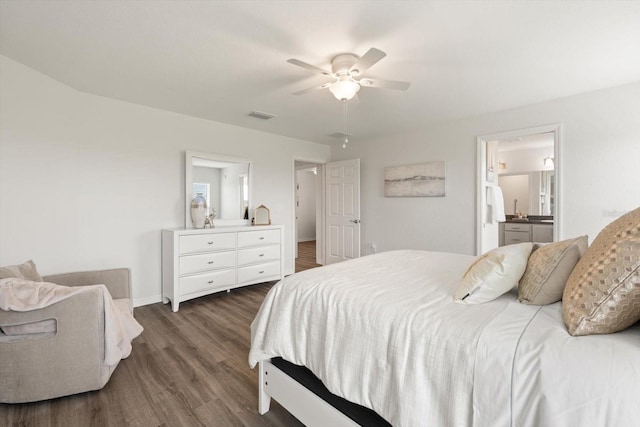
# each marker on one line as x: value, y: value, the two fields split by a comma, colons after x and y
x: 306, y: 256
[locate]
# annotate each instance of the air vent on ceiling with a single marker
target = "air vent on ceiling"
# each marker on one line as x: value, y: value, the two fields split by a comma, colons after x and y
x: 262, y: 115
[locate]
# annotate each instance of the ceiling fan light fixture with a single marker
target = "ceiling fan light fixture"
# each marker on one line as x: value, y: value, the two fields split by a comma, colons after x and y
x: 345, y: 88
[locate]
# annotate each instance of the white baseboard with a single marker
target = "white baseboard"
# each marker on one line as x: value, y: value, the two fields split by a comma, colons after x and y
x: 138, y: 302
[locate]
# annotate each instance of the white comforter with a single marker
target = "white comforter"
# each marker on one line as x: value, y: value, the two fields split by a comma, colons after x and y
x: 383, y: 331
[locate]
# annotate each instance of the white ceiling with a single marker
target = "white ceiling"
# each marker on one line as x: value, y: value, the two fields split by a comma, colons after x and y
x: 220, y: 60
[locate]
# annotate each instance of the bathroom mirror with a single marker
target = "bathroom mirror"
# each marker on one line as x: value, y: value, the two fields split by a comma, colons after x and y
x: 224, y: 182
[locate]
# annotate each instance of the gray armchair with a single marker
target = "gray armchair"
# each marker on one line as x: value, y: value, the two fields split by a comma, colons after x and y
x: 69, y: 360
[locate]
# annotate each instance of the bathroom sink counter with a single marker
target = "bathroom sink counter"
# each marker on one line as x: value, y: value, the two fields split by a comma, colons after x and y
x: 533, y: 219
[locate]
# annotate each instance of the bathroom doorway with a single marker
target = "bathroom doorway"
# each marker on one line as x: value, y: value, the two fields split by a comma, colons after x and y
x: 525, y: 166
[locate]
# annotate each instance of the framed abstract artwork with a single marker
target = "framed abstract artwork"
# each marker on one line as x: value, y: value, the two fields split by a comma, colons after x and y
x: 421, y: 180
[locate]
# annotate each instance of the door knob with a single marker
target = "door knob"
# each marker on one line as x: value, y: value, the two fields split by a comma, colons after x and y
x: 355, y: 221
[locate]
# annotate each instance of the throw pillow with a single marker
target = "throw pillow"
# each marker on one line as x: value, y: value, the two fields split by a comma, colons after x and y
x: 493, y: 274
x: 548, y: 269
x: 25, y: 271
x: 602, y: 294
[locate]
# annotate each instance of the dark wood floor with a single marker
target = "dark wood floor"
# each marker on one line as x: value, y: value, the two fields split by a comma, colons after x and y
x: 306, y: 256
x: 187, y: 369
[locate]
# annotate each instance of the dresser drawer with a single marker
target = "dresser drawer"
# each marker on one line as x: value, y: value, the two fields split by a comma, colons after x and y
x: 190, y: 264
x: 213, y: 281
x: 516, y: 227
x: 258, y: 237
x: 512, y: 237
x: 256, y: 272
x: 206, y: 242
x: 258, y: 254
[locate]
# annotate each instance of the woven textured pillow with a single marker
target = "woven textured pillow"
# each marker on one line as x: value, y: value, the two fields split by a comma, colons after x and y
x: 25, y: 271
x: 548, y: 269
x: 602, y: 294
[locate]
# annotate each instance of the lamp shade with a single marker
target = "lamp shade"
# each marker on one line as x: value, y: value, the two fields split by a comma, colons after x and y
x: 345, y: 88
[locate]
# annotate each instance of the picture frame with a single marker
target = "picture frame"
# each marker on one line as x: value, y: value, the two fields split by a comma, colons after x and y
x: 419, y: 180
x: 262, y: 216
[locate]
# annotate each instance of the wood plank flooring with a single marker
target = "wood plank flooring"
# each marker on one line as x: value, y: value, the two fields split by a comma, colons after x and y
x: 186, y: 369
x: 306, y: 256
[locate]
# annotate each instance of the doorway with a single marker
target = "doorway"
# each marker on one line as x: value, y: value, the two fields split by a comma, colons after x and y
x: 528, y: 163
x: 308, y: 218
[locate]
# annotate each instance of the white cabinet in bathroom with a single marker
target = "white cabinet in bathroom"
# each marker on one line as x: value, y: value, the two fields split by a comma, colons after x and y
x: 512, y: 233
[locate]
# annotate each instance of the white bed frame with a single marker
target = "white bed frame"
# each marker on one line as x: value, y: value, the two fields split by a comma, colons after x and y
x: 302, y: 403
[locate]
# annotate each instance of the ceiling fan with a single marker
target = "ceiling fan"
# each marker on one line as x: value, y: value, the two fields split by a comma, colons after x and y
x: 347, y: 71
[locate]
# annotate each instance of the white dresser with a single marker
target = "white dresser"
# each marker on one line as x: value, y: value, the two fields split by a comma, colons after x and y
x: 197, y: 262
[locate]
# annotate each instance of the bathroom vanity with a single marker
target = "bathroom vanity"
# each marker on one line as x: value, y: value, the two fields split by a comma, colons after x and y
x: 533, y: 229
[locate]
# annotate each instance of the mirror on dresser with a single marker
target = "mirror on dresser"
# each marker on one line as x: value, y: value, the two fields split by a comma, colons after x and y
x: 225, y: 184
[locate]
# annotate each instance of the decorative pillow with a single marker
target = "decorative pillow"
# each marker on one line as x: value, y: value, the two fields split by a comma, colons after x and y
x: 25, y: 271
x: 602, y: 295
x: 493, y: 274
x: 548, y: 269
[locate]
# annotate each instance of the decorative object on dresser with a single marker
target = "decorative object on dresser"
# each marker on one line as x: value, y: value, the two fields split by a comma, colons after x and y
x: 209, y: 219
x: 198, y: 211
x: 262, y: 216
x: 198, y: 262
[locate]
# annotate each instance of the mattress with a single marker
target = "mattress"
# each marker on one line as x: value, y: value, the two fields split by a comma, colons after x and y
x: 382, y: 331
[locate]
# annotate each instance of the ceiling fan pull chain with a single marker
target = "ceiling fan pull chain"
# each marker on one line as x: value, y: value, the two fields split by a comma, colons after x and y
x: 346, y: 134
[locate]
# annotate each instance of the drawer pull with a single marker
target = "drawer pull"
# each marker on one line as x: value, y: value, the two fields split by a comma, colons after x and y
x: 210, y: 282
x: 261, y: 271
x: 262, y: 238
x: 261, y: 255
x: 209, y: 262
x: 210, y: 243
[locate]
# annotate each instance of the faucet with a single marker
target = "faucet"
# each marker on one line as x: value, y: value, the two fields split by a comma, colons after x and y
x: 515, y: 206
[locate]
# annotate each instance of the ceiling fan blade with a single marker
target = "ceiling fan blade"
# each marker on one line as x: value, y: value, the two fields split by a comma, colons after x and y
x: 367, y: 60
x: 311, y: 89
x: 384, y: 84
x: 308, y: 66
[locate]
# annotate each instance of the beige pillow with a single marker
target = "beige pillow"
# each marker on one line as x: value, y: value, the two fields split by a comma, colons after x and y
x: 548, y: 269
x: 493, y: 274
x: 602, y: 295
x: 25, y: 271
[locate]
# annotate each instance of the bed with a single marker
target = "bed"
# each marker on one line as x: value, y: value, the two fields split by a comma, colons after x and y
x: 383, y: 332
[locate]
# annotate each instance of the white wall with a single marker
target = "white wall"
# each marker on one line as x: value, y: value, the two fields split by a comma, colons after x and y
x: 600, y: 154
x: 522, y: 161
x: 88, y: 182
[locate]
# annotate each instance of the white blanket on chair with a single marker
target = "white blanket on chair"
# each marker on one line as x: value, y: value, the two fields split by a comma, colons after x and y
x: 120, y: 328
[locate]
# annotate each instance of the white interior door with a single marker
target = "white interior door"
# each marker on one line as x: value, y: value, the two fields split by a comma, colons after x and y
x: 342, y: 214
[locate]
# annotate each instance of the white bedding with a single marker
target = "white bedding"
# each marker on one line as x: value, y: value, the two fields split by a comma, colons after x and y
x: 383, y: 331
